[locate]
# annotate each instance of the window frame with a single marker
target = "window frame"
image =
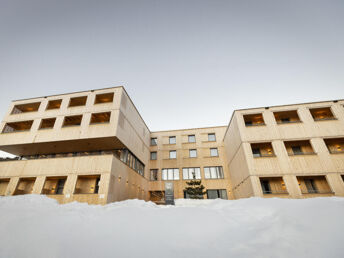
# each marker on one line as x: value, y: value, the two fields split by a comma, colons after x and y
x: 172, y: 137
x: 211, y: 134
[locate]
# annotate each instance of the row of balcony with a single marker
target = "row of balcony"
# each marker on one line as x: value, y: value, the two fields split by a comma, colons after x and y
x: 304, y: 147
x: 290, y: 116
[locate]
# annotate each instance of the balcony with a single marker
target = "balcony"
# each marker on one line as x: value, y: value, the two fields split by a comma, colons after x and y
x: 287, y: 117
x: 296, y: 148
x: 254, y: 120
x: 314, y: 185
x: 322, y: 114
x: 335, y: 145
x: 87, y: 184
x: 25, y: 186
x: 262, y: 150
x: 17, y: 127
x: 54, y: 185
x: 273, y: 186
x: 24, y: 108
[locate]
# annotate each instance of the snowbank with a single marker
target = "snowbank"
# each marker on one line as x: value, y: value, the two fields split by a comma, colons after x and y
x: 36, y: 226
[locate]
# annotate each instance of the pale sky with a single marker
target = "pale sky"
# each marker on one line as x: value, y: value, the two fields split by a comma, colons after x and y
x: 184, y: 63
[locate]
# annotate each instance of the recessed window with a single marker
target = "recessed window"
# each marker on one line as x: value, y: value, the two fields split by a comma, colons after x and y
x: 99, y: 118
x: 253, y: 120
x: 47, y: 123
x: 314, y: 185
x: 217, y: 194
x: 87, y: 184
x: 54, y: 185
x: 335, y: 145
x: 173, y: 154
x: 25, y: 186
x: 17, y: 126
x: 191, y: 173
x: 193, y: 153
x: 154, y: 141
x: 104, y: 98
x: 273, y: 185
x: 72, y: 120
x: 286, y: 117
x: 77, y: 101
x: 24, y: 108
x: 214, y: 152
x: 299, y: 148
x: 262, y: 149
x: 320, y: 114
x: 191, y: 138
x: 154, y: 174
x: 172, y: 140
x: 213, y: 172
x: 54, y: 104
x: 153, y: 155
x: 211, y: 137
x: 170, y: 174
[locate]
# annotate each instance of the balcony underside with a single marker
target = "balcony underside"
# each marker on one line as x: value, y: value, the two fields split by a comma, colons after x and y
x: 91, y: 144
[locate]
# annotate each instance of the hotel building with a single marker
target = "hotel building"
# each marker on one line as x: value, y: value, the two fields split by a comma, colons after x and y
x: 94, y: 147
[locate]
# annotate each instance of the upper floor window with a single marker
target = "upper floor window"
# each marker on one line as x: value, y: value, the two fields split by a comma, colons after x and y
x: 99, y: 118
x: 213, y: 172
x: 173, y: 154
x: 214, y: 152
x: 191, y: 138
x: 87, y: 184
x: 154, y: 141
x: 285, y: 117
x: 320, y: 114
x: 77, y: 101
x: 47, y: 123
x: 193, y: 153
x: 104, y: 98
x: 17, y: 126
x: 54, y: 104
x: 24, y: 108
x: 172, y: 140
x: 255, y: 119
x: 54, y: 185
x: 153, y: 155
x: 191, y: 173
x: 154, y: 174
x: 211, y: 137
x: 335, y: 145
x: 170, y: 174
x: 72, y: 120
x: 299, y: 147
x: 262, y: 149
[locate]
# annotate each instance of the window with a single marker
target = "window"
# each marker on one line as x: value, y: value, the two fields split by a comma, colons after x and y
x: 78, y: 101
x: 191, y: 173
x: 253, y: 120
x: 47, y: 123
x: 172, y: 140
x: 131, y: 160
x: 217, y: 193
x: 265, y: 186
x: 154, y: 174
x: 335, y: 145
x: 286, y: 117
x: 211, y: 137
x: 297, y: 150
x: 54, y: 104
x: 153, y: 155
x: 311, y: 187
x: 54, y: 185
x: 72, y: 120
x: 104, y: 98
x: 214, y: 152
x: 170, y: 174
x: 256, y: 152
x: 320, y: 114
x: 87, y: 184
x: 173, y: 154
x: 154, y: 141
x: 17, y: 126
x: 24, y: 108
x: 213, y: 172
x: 192, y: 153
x: 25, y: 186
x: 100, y: 118
x: 191, y: 138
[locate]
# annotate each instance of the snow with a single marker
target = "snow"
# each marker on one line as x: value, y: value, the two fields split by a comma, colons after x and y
x: 36, y: 226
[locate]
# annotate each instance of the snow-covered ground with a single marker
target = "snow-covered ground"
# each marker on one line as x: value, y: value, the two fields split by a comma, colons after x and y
x: 36, y: 226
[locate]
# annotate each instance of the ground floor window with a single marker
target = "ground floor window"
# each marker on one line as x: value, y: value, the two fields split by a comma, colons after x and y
x: 170, y: 174
x: 217, y: 193
x: 87, y: 184
x: 25, y: 186
x: 187, y: 196
x: 54, y: 185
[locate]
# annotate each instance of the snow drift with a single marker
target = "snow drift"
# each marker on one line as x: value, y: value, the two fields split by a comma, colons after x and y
x: 36, y: 226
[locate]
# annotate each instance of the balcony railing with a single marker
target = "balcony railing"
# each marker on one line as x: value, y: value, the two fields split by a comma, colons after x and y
x: 302, y: 153
x: 336, y: 151
x: 324, y: 118
x: 316, y: 191
x: 275, y: 192
x: 264, y: 155
x: 288, y: 122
